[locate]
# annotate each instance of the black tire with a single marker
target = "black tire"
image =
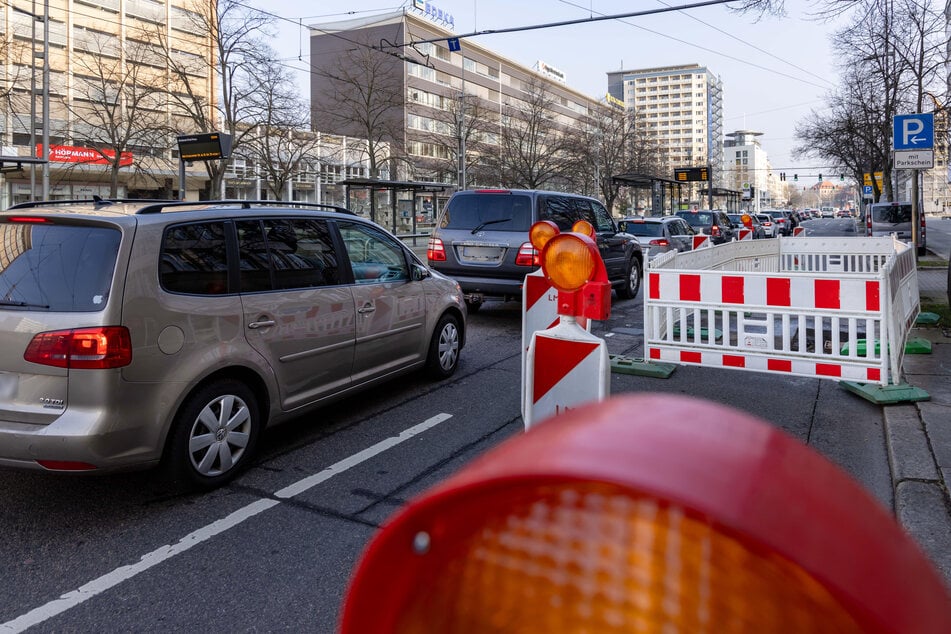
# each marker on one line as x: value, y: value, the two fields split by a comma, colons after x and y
x: 443, y: 357
x: 214, y: 435
x: 632, y: 281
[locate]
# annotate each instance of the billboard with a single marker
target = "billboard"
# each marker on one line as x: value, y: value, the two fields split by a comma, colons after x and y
x: 85, y: 155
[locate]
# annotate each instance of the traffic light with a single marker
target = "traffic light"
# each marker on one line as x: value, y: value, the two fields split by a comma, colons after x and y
x: 782, y: 176
x: 795, y: 177
x: 820, y: 178
x: 841, y: 177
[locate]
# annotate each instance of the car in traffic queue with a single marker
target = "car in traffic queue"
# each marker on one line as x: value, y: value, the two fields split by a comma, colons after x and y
x: 710, y: 222
x: 784, y: 221
x: 659, y: 234
x: 757, y: 229
x: 481, y: 240
x: 769, y: 225
x: 139, y: 334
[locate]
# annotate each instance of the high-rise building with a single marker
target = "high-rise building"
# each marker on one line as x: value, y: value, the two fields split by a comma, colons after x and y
x: 683, y: 105
x: 96, y: 75
x: 746, y: 169
x: 427, y: 74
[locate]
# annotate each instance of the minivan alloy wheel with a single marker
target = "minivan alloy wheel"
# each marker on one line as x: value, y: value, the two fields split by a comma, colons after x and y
x: 444, y: 348
x: 219, y: 436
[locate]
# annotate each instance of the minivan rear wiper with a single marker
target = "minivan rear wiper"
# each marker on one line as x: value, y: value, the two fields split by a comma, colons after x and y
x: 6, y: 302
x: 489, y: 222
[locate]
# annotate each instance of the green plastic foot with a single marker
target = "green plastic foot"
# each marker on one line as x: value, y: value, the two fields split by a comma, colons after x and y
x: 630, y: 365
x: 927, y: 319
x: 917, y: 345
x: 887, y: 394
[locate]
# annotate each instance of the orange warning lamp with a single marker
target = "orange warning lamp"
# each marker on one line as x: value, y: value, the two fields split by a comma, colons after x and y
x: 747, y: 221
x: 572, y: 263
x: 601, y: 520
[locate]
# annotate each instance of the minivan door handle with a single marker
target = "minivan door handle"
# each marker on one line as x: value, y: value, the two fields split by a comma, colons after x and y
x: 367, y: 308
x: 263, y: 323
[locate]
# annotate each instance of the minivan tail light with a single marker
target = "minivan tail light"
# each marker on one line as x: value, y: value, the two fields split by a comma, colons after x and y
x: 30, y: 219
x: 82, y: 348
x: 435, y: 252
x: 527, y: 256
x: 659, y: 243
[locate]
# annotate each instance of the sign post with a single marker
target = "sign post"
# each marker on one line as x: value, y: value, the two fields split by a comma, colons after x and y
x: 913, y: 144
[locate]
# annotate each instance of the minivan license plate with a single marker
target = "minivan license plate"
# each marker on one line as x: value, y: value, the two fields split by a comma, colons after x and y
x: 8, y: 385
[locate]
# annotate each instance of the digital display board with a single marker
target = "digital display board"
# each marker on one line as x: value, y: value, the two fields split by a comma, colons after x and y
x: 204, y: 147
x: 690, y: 174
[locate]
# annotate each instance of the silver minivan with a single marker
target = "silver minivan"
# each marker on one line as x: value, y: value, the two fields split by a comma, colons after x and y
x: 883, y: 219
x: 139, y: 334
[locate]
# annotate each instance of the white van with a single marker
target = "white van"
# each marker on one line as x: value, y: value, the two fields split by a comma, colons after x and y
x: 882, y: 219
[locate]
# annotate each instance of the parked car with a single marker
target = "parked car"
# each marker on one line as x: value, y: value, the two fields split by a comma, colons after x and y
x: 660, y: 234
x: 481, y: 241
x: 884, y: 219
x: 755, y: 227
x: 784, y: 220
x: 769, y: 225
x: 171, y: 334
x: 713, y: 223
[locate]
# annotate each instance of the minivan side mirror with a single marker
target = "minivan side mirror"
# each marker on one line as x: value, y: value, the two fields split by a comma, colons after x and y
x: 420, y: 272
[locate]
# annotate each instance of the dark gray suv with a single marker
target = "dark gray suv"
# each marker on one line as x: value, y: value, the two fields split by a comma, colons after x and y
x: 481, y: 241
x: 138, y: 333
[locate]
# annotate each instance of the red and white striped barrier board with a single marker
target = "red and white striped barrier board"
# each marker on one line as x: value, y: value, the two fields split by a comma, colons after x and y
x: 566, y: 366
x: 701, y: 241
x: 539, y: 311
x: 746, y: 234
x: 806, y: 306
x: 798, y: 231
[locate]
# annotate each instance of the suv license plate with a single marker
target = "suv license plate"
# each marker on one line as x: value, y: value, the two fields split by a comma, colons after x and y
x: 8, y: 385
x: 480, y: 253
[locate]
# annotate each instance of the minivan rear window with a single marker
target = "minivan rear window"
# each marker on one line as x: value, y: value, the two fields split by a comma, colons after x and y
x: 893, y: 214
x: 56, y: 268
x: 488, y: 212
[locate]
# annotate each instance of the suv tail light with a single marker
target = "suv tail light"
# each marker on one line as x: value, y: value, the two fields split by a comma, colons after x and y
x: 662, y: 242
x: 82, y: 348
x: 527, y: 256
x: 715, y: 230
x: 435, y: 252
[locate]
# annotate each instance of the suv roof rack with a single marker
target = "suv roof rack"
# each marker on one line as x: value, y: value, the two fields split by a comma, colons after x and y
x: 96, y: 200
x: 161, y: 206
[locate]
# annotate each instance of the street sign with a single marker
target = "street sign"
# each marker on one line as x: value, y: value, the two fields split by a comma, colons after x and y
x: 914, y: 159
x: 913, y: 131
x: 867, y: 191
x: 867, y: 179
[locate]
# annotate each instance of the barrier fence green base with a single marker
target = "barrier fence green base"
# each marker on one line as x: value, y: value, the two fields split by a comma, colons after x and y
x: 704, y: 333
x: 914, y: 345
x: 630, y: 365
x: 887, y: 394
x: 927, y: 319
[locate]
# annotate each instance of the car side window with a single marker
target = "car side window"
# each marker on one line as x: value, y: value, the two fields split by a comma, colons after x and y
x: 602, y: 218
x: 374, y: 256
x: 194, y: 259
x: 286, y: 253
x: 561, y: 210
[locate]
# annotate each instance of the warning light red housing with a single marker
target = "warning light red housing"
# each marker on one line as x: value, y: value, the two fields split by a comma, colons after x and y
x: 713, y: 517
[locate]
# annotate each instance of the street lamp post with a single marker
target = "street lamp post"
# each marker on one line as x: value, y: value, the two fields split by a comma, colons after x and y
x: 45, y: 121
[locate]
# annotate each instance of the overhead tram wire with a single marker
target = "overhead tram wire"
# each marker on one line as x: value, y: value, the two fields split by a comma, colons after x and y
x: 691, y: 44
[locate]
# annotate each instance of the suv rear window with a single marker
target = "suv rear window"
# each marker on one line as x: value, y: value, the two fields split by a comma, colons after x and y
x: 697, y: 219
x: 893, y: 214
x: 488, y: 212
x: 59, y: 268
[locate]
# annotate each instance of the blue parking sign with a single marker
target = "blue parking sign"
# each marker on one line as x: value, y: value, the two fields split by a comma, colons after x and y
x: 867, y: 190
x: 913, y: 131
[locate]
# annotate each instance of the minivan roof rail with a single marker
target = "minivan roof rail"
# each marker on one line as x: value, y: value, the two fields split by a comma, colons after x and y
x: 161, y: 206
x: 96, y: 200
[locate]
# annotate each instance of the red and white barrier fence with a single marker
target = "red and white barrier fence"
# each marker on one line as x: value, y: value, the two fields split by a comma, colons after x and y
x: 812, y: 307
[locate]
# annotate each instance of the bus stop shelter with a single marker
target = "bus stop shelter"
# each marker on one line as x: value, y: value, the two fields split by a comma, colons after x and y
x: 665, y: 193
x: 730, y: 197
x: 381, y: 201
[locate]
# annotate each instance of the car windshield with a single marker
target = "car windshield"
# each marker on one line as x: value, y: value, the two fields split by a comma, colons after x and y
x: 56, y: 267
x: 489, y: 212
x: 894, y: 214
x: 698, y: 218
x: 645, y: 229
x: 777, y: 214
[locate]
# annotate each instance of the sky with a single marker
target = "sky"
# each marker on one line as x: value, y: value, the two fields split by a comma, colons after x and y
x: 775, y: 70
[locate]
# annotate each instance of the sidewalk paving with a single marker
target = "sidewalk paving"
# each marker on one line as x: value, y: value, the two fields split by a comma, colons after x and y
x: 918, y: 435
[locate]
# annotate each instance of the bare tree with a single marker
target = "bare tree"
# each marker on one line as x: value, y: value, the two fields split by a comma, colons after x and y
x: 118, y: 101
x: 534, y: 151
x: 237, y: 34
x: 362, y: 95
x: 282, y: 146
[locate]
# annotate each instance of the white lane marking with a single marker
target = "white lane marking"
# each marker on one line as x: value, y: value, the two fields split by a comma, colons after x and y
x: 311, y: 481
x: 164, y: 553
